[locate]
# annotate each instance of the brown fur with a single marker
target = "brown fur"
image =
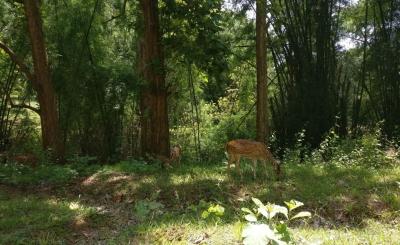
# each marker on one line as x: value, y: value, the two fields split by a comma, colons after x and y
x: 26, y: 159
x: 252, y: 150
x: 165, y: 161
x: 176, y: 154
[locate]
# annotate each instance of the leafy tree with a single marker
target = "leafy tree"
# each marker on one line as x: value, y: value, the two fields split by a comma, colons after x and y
x: 41, y: 80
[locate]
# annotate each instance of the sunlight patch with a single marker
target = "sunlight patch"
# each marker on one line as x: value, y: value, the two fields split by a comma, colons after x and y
x: 90, y: 180
x: 52, y: 202
x: 74, y: 206
x: 118, y: 177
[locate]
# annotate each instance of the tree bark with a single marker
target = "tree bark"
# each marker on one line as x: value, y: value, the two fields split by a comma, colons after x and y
x: 261, y: 56
x: 51, y: 135
x: 153, y: 101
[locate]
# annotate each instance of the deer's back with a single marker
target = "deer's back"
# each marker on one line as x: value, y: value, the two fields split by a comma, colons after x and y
x: 247, y: 148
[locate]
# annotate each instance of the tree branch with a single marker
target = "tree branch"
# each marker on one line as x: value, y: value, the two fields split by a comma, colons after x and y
x: 20, y: 64
x: 23, y: 106
x: 122, y: 13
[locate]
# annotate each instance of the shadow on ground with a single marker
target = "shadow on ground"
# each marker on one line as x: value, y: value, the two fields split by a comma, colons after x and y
x: 337, y: 197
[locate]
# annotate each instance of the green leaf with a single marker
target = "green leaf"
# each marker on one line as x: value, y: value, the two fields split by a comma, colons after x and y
x: 153, y: 205
x: 257, y: 202
x: 257, y: 234
x: 238, y: 229
x: 141, y: 210
x: 280, y: 209
x: 250, y: 218
x: 192, y: 208
x: 264, y: 212
x: 293, y: 204
x: 202, y: 203
x: 260, y: 234
x: 274, y: 209
x: 205, y: 214
x: 247, y: 210
x: 283, y: 230
x: 218, y: 210
x: 301, y: 215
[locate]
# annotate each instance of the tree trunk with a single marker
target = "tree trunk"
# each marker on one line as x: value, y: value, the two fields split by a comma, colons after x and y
x: 51, y: 135
x: 261, y: 56
x: 153, y: 101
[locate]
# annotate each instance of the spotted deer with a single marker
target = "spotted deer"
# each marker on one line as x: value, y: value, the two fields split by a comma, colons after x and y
x: 251, y: 150
x: 176, y: 154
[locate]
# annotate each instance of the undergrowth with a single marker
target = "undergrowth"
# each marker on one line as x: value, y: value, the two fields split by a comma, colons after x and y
x: 349, y: 186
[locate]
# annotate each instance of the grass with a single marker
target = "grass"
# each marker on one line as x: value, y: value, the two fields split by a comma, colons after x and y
x: 372, y: 232
x: 27, y: 218
x: 350, y: 204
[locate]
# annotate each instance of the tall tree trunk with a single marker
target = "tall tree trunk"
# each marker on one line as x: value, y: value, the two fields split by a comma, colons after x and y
x: 261, y: 56
x: 153, y: 102
x: 51, y: 135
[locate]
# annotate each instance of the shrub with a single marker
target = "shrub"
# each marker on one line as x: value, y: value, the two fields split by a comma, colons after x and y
x: 366, y: 151
x: 148, y: 209
x: 135, y: 166
x: 17, y: 174
x: 268, y: 224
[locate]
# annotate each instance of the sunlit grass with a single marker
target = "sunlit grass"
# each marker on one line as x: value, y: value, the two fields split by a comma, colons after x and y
x: 31, y: 218
x: 372, y: 232
x: 347, y: 202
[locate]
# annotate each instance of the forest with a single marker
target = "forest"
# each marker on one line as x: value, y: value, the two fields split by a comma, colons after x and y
x: 142, y: 122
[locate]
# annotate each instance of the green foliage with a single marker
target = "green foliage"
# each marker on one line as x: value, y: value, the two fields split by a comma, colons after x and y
x: 135, y: 166
x: 207, y: 211
x: 83, y: 168
x: 345, y: 197
x: 296, y: 153
x: 366, y: 150
x: 81, y: 160
x: 147, y: 210
x: 214, y: 213
x: 192, y: 34
x: 209, y: 49
x: 22, y: 175
x: 275, y: 230
x: 27, y: 219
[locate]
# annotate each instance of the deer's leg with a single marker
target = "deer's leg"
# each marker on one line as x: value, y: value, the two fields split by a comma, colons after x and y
x: 230, y: 158
x: 265, y: 167
x: 254, y: 168
x: 238, y: 166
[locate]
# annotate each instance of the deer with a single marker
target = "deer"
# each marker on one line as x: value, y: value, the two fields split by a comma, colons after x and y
x: 176, y: 154
x: 250, y: 149
x: 27, y: 159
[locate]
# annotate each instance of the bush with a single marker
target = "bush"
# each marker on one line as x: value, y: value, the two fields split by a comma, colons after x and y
x: 268, y: 224
x: 366, y: 151
x: 135, y: 166
x: 17, y: 174
x: 148, y: 209
x: 218, y: 125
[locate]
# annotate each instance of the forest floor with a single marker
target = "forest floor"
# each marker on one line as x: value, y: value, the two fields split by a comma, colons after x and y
x: 132, y: 203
